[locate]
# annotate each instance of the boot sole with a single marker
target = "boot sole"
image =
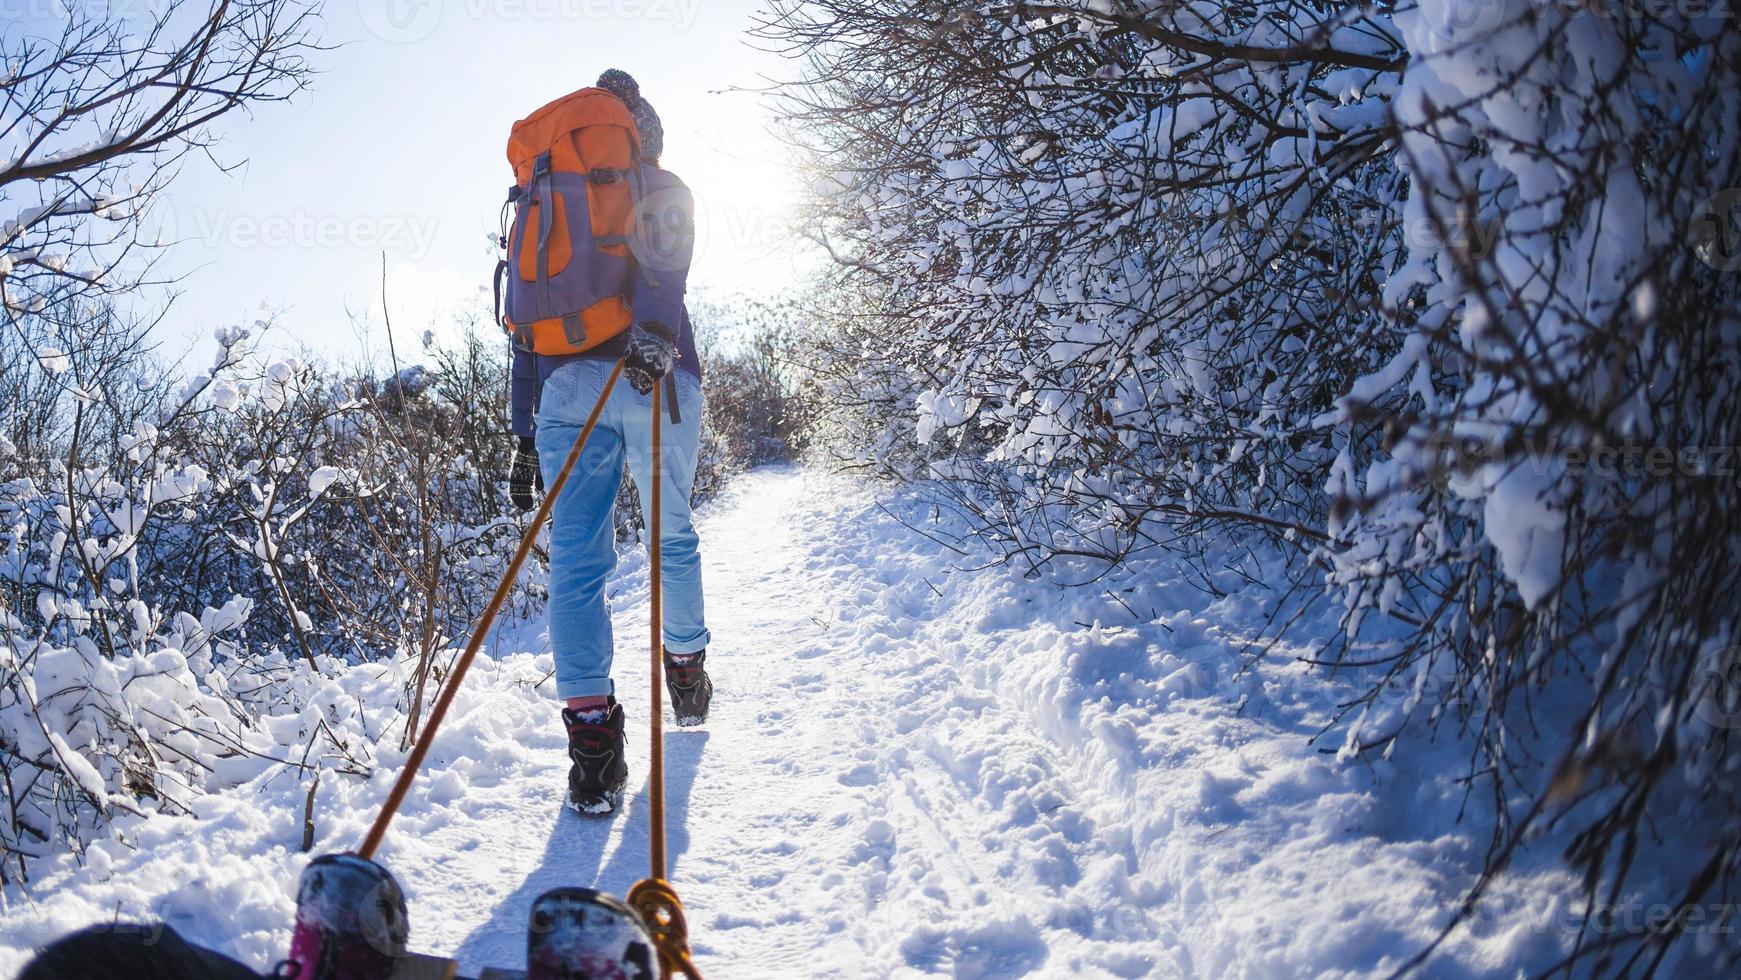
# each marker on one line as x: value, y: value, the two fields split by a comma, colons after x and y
x: 601, y: 807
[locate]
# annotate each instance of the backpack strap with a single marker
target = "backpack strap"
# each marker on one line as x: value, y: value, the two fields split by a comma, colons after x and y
x: 574, y: 329
x: 502, y: 265
x: 638, y: 183
x: 501, y: 279
x: 544, y: 195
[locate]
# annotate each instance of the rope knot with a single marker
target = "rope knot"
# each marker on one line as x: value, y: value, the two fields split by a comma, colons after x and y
x: 662, y: 910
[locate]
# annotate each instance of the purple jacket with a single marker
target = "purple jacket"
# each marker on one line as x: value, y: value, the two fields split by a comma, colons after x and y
x: 657, y: 298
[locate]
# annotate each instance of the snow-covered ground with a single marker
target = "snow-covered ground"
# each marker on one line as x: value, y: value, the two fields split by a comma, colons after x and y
x: 911, y: 768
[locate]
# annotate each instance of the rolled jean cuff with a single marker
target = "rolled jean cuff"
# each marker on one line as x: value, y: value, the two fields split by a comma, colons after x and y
x: 587, y: 687
x: 694, y: 644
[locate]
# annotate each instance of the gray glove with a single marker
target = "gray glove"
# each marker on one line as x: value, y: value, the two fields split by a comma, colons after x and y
x: 652, y: 353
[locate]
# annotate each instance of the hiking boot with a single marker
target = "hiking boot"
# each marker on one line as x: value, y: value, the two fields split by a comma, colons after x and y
x: 691, y: 689
x: 595, y: 745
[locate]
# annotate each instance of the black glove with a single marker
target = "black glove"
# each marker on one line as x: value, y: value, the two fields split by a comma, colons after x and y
x: 652, y: 352
x: 525, y: 479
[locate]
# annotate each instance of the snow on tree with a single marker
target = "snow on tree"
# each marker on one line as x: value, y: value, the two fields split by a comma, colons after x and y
x: 98, y: 111
x: 1112, y: 252
x: 1441, y: 296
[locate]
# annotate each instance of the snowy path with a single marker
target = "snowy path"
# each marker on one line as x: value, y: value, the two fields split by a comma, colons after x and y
x: 745, y: 796
x: 911, y: 769
x: 817, y: 792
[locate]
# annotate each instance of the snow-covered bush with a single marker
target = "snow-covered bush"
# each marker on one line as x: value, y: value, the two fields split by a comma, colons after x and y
x: 1443, y: 294
x: 109, y: 700
x: 179, y: 598
x: 187, y: 566
x: 1555, y: 503
x: 758, y: 409
x: 1121, y: 269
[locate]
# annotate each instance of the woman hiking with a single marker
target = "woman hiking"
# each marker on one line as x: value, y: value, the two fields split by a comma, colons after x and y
x: 552, y: 397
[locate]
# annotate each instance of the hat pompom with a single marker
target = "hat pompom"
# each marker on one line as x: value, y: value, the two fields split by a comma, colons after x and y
x: 623, y: 85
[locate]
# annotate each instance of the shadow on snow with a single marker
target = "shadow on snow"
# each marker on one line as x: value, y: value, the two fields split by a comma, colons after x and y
x: 574, y: 855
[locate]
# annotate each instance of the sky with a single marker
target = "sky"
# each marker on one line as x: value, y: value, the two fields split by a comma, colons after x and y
x: 399, y: 145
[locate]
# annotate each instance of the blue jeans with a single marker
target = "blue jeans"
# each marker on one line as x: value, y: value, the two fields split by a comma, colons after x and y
x: 583, y: 550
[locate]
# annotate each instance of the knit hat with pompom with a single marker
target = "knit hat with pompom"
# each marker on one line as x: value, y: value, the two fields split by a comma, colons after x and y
x: 623, y: 85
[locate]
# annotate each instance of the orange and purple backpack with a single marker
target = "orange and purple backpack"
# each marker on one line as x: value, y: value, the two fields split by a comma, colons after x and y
x: 569, y: 273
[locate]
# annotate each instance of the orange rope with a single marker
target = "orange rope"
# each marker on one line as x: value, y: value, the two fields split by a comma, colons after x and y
x: 656, y: 717
x: 414, y: 762
x: 654, y: 898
